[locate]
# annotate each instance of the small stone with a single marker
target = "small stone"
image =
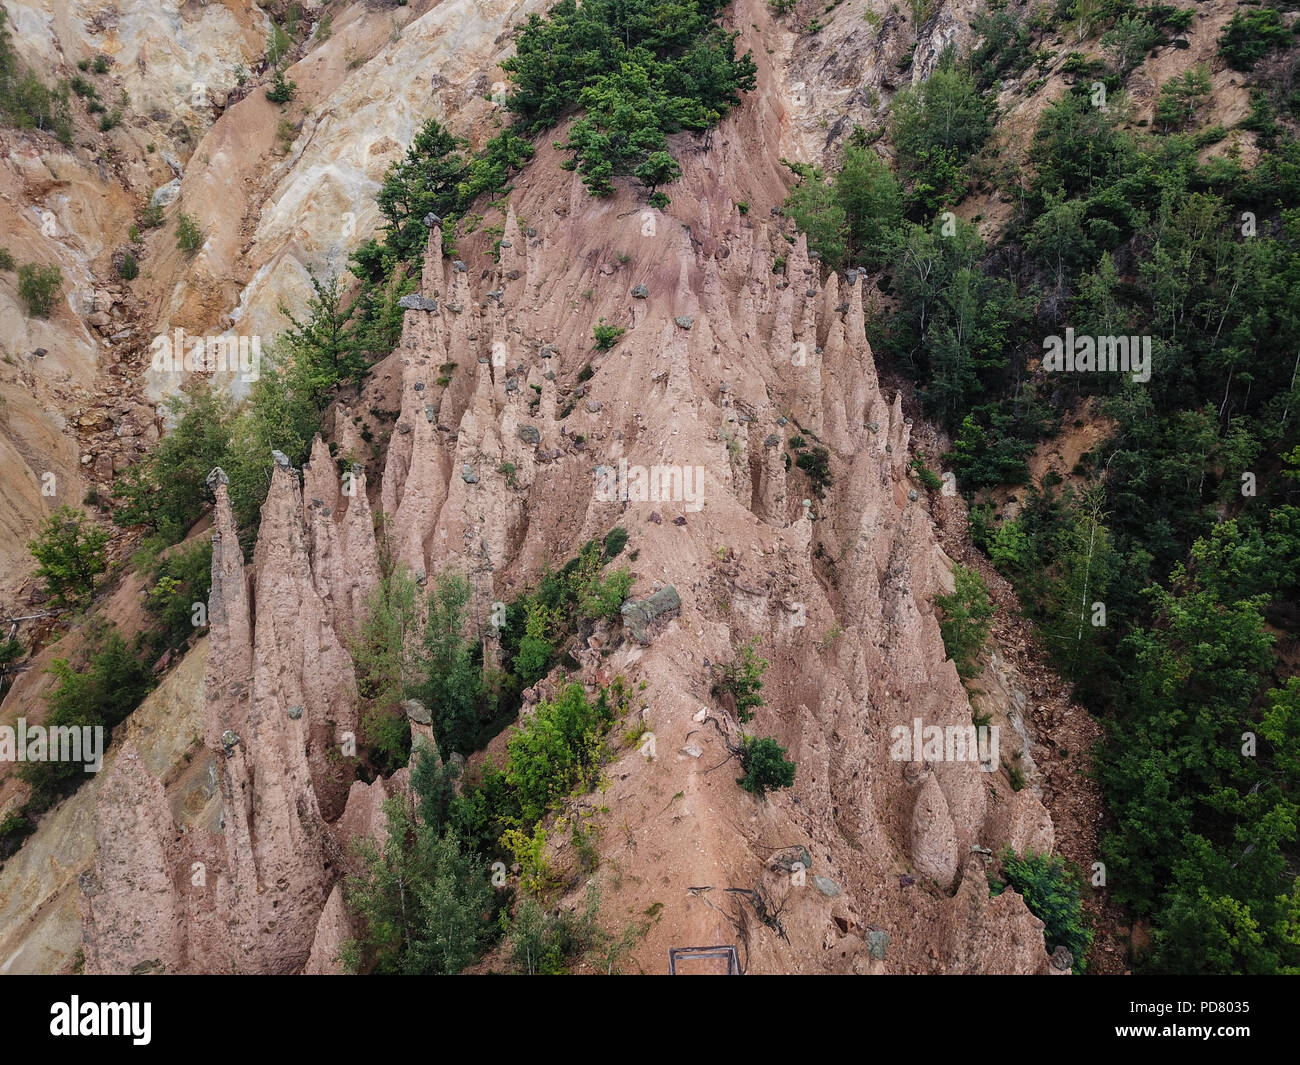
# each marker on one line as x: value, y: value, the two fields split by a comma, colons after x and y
x: 419, y: 386
x: 413, y: 302
x: 295, y: 712
x: 417, y: 712
x: 530, y: 232
x: 468, y: 475
x: 507, y: 244
x: 428, y: 413
x: 655, y: 517
x: 40, y: 353
x: 701, y: 714
x: 679, y: 520
x: 280, y: 459
x: 458, y: 266
x: 455, y: 308
x: 911, y: 495
x: 874, y: 426
x: 228, y: 739
x: 640, y: 292
x: 592, y: 406
x: 826, y: 886
x: 685, y: 321
x: 692, y: 751
x: 431, y: 220
x: 877, y: 944
x: 771, y: 440
x: 529, y: 434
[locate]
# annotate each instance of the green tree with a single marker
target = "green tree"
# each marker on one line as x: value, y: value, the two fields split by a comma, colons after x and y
x: 422, y: 902
x: 1051, y: 890
x: 71, y: 552
x: 872, y: 200
x: 964, y: 625
x: 816, y: 210
x: 453, y: 686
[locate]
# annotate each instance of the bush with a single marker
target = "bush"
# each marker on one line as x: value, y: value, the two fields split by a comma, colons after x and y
x: 72, y: 552
x: 129, y: 269
x: 607, y: 335
x: 615, y: 541
x: 102, y: 694
x: 1250, y: 35
x: 817, y: 464
x: 964, y: 626
x: 281, y: 90
x: 1051, y: 891
x: 39, y: 287
x: 6, y: 260
x: 742, y: 680
x: 765, y: 765
x: 189, y: 236
x: 556, y: 751
x: 181, y: 580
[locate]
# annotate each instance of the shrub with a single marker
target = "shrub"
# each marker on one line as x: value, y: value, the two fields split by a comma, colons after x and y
x: 129, y: 269
x: 72, y: 552
x: 742, y: 680
x: 615, y: 541
x: 607, y: 335
x: 6, y: 259
x: 181, y: 579
x: 766, y: 766
x: 103, y: 693
x: 556, y: 751
x: 817, y: 464
x: 189, y: 236
x: 1051, y: 891
x: 1250, y: 35
x: 39, y: 287
x: 100, y: 65
x: 964, y: 626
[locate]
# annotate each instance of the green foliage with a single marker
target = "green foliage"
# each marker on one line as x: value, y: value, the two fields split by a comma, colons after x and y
x: 936, y: 128
x: 327, y: 348
x: 815, y: 209
x: 765, y: 766
x: 453, y: 689
x: 557, y: 750
x: 26, y: 102
x: 1051, y: 891
x: 129, y: 269
x: 606, y: 335
x: 1250, y: 35
x: 742, y: 680
x: 615, y: 541
x: 71, y: 552
x: 635, y: 72
x: 1181, y: 97
x: 182, y: 578
x: 189, y: 234
x: 165, y: 492
x: 39, y: 287
x: 7, y: 260
x: 102, y: 692
x: 423, y: 901
x: 542, y: 942
x: 964, y: 626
